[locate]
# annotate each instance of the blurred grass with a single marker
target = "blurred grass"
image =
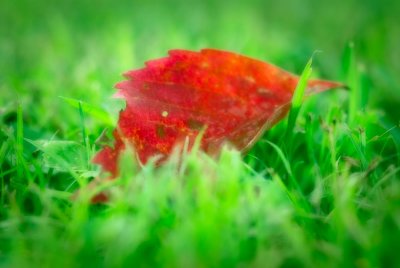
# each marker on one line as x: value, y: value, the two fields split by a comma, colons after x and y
x: 338, y: 205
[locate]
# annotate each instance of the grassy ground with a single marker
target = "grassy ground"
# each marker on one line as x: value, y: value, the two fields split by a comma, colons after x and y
x: 327, y: 194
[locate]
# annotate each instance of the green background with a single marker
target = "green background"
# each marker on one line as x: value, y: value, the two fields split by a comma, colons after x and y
x: 325, y: 193
x: 79, y: 49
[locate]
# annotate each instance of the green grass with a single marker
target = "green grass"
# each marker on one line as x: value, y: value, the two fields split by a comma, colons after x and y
x: 320, y: 189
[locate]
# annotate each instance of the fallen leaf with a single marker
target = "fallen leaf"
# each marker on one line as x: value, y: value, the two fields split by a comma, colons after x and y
x: 233, y: 97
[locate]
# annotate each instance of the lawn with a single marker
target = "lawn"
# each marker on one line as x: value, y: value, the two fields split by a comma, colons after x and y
x: 322, y: 193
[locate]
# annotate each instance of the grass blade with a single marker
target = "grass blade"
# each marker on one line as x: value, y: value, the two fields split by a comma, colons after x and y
x: 298, y: 97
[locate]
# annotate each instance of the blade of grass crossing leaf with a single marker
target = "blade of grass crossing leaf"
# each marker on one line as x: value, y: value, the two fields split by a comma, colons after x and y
x: 297, y: 100
x: 298, y: 96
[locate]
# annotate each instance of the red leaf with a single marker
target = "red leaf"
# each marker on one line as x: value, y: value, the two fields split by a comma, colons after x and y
x: 235, y: 97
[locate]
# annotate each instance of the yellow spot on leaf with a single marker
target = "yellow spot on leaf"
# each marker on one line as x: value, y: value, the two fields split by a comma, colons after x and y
x: 250, y: 79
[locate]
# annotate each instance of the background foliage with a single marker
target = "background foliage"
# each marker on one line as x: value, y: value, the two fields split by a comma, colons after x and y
x: 327, y: 193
